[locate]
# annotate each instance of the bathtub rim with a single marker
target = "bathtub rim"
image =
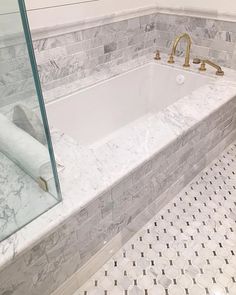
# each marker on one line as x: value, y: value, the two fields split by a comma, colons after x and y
x: 177, y: 66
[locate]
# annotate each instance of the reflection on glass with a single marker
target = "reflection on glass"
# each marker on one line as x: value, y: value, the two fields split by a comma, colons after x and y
x: 28, y: 178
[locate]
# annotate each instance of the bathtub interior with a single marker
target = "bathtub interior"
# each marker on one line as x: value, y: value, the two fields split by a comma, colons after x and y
x: 94, y: 114
x: 169, y: 83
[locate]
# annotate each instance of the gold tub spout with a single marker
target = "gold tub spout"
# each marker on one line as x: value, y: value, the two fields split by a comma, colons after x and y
x: 188, y: 48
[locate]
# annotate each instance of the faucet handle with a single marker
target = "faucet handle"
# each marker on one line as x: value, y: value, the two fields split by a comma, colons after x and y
x: 196, y: 60
x: 202, y: 66
x: 171, y: 59
x: 157, y: 55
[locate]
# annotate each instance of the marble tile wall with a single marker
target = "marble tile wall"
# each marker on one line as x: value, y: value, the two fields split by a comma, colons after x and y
x: 47, y: 265
x: 16, y: 82
x: 76, y: 56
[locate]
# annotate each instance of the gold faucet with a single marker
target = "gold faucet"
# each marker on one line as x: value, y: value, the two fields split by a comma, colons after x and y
x: 219, y: 71
x: 187, y: 54
x: 157, y: 55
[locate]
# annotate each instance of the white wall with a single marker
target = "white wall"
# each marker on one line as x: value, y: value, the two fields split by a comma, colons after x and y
x: 219, y: 7
x: 68, y: 14
x: 10, y: 22
x: 40, y: 16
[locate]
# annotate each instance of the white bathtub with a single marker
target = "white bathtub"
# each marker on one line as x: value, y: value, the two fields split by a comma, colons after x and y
x: 93, y: 114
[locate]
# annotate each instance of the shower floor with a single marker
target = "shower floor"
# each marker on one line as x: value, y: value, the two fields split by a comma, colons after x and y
x: 188, y: 248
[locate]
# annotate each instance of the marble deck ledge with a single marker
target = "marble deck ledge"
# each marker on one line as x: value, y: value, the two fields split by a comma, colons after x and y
x: 90, y: 172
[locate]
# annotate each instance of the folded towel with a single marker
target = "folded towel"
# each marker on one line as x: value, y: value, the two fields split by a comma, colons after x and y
x: 28, y: 121
x: 28, y: 153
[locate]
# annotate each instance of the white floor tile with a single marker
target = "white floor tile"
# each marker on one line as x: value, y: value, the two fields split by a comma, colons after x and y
x: 188, y: 248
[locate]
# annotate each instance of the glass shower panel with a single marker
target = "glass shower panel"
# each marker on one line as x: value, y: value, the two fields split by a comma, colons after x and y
x: 28, y: 172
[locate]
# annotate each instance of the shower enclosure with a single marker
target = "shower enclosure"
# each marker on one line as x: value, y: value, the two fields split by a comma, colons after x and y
x: 29, y: 183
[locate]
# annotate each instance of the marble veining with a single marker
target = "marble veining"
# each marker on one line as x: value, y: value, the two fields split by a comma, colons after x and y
x: 187, y: 248
x: 95, y: 49
x: 68, y: 60
x: 101, y: 183
x: 16, y: 207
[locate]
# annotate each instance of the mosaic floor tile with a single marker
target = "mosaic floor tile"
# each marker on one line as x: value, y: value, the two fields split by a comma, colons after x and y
x: 188, y: 248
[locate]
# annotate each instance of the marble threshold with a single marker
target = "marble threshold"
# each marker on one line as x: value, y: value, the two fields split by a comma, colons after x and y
x: 90, y: 172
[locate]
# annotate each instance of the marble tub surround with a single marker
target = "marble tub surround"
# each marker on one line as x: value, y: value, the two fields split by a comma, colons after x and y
x: 70, y: 58
x: 187, y: 248
x: 105, y: 188
x: 16, y: 82
x: 79, y: 54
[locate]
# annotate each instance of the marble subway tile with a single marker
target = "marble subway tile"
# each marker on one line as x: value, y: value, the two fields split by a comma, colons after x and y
x: 80, y: 46
x: 233, y: 62
x: 133, y: 25
x: 58, y: 41
x: 142, y: 171
x: 110, y: 47
x: 51, y: 54
x: 61, y: 56
x: 222, y: 57
x: 115, y: 28
x: 91, y: 33
x: 200, y: 51
x: 14, y: 51
x: 15, y: 279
